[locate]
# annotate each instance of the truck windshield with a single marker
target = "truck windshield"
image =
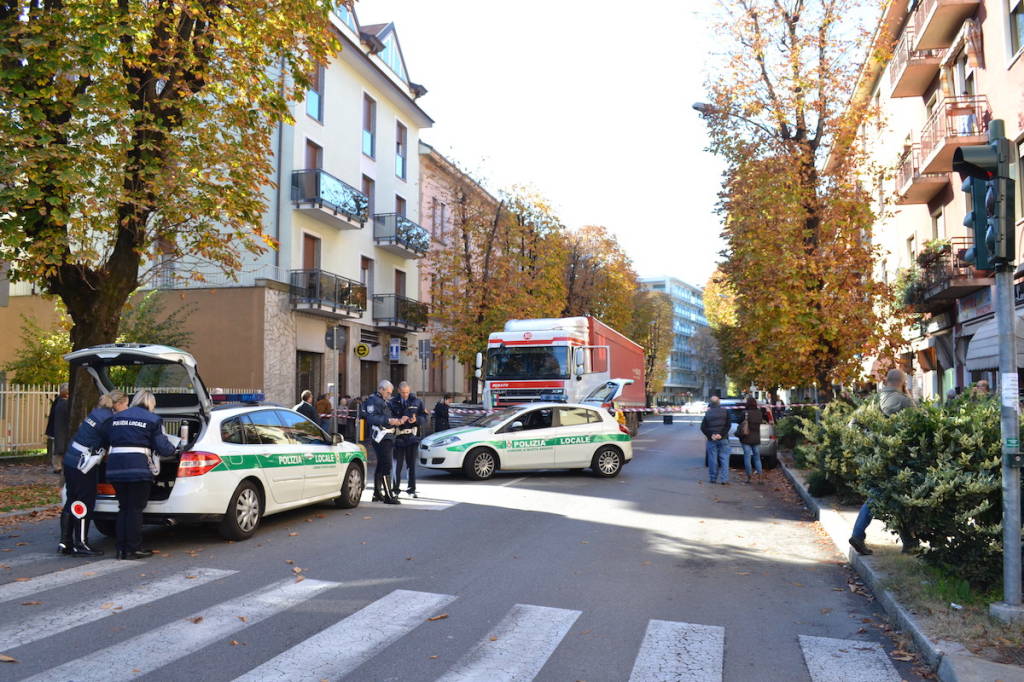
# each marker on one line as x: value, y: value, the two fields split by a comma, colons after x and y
x: 541, y: 362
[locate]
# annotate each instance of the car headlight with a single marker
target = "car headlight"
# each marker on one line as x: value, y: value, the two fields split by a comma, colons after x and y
x: 447, y: 440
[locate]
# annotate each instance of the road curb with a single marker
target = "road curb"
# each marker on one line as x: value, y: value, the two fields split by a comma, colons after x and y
x: 27, y: 512
x: 838, y: 530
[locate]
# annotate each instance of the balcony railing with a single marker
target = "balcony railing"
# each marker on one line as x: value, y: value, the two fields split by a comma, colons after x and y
x: 945, y: 276
x: 323, y: 293
x: 324, y: 196
x: 913, y: 186
x: 912, y: 71
x: 936, y: 22
x: 956, y: 121
x: 398, y: 313
x: 400, y: 235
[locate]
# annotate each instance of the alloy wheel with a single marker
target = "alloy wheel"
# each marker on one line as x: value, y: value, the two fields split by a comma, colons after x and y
x: 247, y: 510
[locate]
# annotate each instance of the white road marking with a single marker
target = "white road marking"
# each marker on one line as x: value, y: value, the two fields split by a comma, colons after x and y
x: 680, y: 652
x: 14, y: 560
x: 72, y: 615
x: 145, y: 653
x: 517, y: 648
x: 846, y: 660
x: 512, y: 482
x: 346, y: 645
x: 49, y: 581
x: 422, y: 503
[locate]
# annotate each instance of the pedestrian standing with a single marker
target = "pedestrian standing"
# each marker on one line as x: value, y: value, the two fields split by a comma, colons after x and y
x: 441, y: 422
x: 892, y: 399
x: 305, y: 406
x: 57, y: 426
x: 81, y: 486
x: 413, y: 414
x: 135, y: 442
x: 383, y: 424
x: 750, y: 439
x: 323, y: 412
x: 715, y: 427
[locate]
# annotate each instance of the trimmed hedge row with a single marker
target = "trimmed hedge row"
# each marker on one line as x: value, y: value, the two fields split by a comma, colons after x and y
x: 932, y: 470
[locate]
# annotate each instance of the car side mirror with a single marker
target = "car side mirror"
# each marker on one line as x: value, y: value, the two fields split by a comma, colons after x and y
x: 516, y: 426
x: 338, y: 439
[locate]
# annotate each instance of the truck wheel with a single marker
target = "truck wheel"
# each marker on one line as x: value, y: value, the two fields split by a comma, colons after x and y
x: 106, y: 527
x: 351, y: 488
x: 607, y: 462
x: 480, y: 464
x: 244, y: 513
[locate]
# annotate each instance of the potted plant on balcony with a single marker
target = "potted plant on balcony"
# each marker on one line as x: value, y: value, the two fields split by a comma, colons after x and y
x: 934, y: 252
x: 909, y: 287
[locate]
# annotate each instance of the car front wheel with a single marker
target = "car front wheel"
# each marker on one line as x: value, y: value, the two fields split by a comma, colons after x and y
x: 244, y: 513
x: 480, y: 464
x: 351, y: 488
x: 607, y: 462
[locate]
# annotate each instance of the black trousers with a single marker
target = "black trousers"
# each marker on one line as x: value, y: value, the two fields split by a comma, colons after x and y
x: 385, y: 462
x: 406, y: 454
x: 80, y: 487
x: 132, y: 497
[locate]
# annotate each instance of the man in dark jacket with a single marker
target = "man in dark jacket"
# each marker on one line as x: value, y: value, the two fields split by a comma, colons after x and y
x: 305, y: 407
x: 57, y: 426
x: 410, y: 409
x: 441, y: 422
x: 715, y: 427
x: 383, y: 423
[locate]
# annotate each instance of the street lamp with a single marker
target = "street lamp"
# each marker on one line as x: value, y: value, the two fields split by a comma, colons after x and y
x: 706, y: 109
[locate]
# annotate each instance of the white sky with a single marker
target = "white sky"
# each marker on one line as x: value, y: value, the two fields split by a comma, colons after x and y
x: 588, y: 101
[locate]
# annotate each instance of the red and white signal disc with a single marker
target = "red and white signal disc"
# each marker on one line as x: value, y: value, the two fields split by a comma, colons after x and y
x: 79, y: 509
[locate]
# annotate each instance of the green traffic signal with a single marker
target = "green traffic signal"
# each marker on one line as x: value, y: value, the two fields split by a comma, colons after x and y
x: 977, y: 219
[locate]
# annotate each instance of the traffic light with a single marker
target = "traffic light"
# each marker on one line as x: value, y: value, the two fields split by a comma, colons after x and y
x: 985, y: 170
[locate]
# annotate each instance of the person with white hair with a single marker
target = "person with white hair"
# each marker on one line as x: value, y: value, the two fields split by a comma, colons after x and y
x: 383, y: 425
x: 135, y: 441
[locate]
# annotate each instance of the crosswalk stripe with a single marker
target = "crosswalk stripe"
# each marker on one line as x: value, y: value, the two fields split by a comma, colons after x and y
x: 846, y: 660
x: 50, y: 623
x: 16, y: 560
x: 147, y: 652
x: 680, y: 652
x: 49, y: 581
x: 346, y: 645
x: 517, y: 648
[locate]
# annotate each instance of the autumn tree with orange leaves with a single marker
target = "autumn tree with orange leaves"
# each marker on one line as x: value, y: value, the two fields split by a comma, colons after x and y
x: 799, y: 257
x: 599, y: 278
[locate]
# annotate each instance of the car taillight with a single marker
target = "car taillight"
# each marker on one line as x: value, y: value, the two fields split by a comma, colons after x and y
x: 196, y: 463
x: 104, y: 489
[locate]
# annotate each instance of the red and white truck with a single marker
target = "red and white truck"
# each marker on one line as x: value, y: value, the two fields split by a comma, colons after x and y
x: 569, y: 359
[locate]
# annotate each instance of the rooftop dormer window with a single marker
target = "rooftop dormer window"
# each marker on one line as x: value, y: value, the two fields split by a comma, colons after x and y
x: 392, y: 56
x: 343, y: 12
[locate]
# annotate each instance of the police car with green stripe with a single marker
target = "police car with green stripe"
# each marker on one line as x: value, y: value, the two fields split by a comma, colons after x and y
x: 235, y: 463
x: 532, y: 436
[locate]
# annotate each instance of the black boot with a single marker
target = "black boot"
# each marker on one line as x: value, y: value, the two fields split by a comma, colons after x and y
x: 389, y: 495
x: 377, y: 497
x: 81, y: 544
x: 66, y: 537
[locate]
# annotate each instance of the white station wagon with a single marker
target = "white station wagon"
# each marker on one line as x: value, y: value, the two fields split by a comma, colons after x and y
x: 238, y: 463
x: 532, y: 436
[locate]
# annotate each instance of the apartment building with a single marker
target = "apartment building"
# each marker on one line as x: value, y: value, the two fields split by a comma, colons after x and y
x: 955, y: 67
x: 683, y: 381
x: 338, y: 301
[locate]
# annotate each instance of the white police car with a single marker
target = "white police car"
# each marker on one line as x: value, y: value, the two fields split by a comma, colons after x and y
x: 238, y: 463
x: 532, y: 436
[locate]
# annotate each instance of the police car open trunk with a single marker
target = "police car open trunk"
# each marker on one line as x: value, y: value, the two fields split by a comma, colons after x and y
x: 170, y: 373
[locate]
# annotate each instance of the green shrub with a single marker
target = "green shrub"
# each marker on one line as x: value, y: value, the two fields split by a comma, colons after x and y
x: 819, y: 485
x: 826, y: 447
x: 787, y: 430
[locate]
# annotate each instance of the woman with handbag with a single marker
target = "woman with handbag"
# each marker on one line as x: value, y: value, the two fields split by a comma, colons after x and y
x: 79, y: 485
x: 749, y: 433
x: 136, y: 441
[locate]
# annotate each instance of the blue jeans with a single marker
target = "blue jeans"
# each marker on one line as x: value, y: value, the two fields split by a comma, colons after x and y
x: 748, y: 452
x: 860, y: 526
x: 718, y: 460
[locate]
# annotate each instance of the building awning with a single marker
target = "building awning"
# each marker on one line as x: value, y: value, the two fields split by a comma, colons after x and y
x: 983, y: 350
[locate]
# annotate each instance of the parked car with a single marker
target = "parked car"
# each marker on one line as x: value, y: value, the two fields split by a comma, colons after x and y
x: 235, y: 463
x: 769, y: 445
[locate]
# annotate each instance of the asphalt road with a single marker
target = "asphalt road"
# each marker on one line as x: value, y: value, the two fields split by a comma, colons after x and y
x: 654, y: 575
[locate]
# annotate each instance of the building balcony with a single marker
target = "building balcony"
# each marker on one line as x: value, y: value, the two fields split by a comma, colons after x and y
x: 912, y: 71
x: 399, y: 314
x: 323, y: 293
x: 913, y: 186
x: 936, y: 22
x: 399, y: 235
x: 324, y: 197
x: 956, y: 121
x: 944, y: 277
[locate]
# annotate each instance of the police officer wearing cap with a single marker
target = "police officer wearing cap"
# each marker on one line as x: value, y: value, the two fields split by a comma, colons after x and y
x: 79, y: 486
x: 383, y: 423
x: 407, y: 437
x: 135, y: 440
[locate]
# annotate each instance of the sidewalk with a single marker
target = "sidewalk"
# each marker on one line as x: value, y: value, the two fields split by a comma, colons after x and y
x: 952, y: 661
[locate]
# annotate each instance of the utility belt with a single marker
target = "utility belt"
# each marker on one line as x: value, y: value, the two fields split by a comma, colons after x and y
x: 407, y: 431
x: 379, y: 433
x: 151, y: 457
x: 87, y: 457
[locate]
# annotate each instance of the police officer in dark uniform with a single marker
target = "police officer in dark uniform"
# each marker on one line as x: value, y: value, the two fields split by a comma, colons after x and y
x: 382, y: 421
x: 408, y: 435
x: 135, y: 440
x: 81, y: 487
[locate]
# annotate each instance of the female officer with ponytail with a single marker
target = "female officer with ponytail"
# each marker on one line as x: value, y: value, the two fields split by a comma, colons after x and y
x: 136, y: 442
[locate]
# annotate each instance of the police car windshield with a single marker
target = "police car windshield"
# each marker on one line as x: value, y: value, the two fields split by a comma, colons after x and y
x: 489, y: 420
x: 543, y: 362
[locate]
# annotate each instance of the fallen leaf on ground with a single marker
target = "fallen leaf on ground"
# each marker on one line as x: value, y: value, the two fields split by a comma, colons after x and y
x: 441, y: 617
x: 191, y: 577
x: 321, y: 516
x: 289, y: 561
x: 108, y: 605
x: 7, y: 659
x: 296, y: 570
x: 586, y: 632
x: 244, y: 619
x: 433, y: 656
x: 494, y: 639
x: 197, y: 619
x: 742, y: 572
x: 235, y: 642
x: 22, y: 580
x: 291, y: 535
x: 299, y: 578
x: 826, y: 611
x: 20, y: 544
x: 408, y: 558
x: 367, y: 518
x: 31, y: 603
x: 584, y: 542
x: 799, y: 584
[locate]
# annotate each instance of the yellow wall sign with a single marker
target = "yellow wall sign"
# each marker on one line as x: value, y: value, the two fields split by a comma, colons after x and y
x: 362, y: 350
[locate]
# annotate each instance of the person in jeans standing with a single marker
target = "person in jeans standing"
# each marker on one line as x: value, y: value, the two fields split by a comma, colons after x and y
x: 751, y: 440
x: 715, y: 427
x: 891, y: 399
